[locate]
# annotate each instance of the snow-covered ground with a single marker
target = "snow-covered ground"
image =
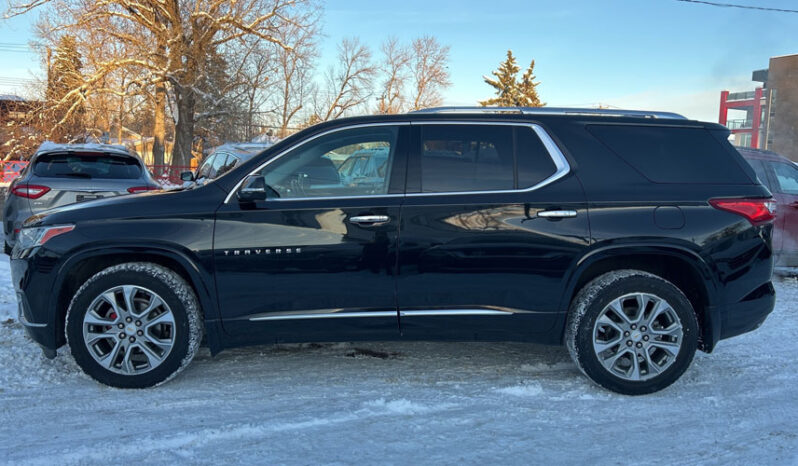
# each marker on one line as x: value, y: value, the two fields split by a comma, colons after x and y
x: 404, y: 403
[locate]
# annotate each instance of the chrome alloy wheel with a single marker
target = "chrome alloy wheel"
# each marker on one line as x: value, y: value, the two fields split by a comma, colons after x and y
x: 129, y: 330
x: 637, y: 336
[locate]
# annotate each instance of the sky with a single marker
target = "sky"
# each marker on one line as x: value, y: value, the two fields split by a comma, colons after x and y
x: 641, y: 54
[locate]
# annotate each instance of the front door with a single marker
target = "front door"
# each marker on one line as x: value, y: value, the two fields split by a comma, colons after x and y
x: 491, y: 223
x: 316, y: 260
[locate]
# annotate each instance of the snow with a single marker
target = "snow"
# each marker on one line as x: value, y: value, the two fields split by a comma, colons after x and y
x: 404, y: 403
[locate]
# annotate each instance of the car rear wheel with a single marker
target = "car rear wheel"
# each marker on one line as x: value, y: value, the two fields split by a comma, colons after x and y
x: 632, y: 332
x: 134, y: 325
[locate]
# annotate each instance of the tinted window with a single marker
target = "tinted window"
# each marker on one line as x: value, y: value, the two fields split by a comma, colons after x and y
x: 673, y: 154
x: 466, y: 158
x: 534, y: 161
x: 87, y: 165
x: 787, y: 176
x: 759, y: 169
x: 463, y: 158
x: 309, y: 170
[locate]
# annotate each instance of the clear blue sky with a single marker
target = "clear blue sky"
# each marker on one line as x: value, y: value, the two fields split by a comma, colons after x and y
x: 656, y: 54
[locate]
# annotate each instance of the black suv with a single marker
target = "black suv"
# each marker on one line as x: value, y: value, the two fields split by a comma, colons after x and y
x: 633, y: 238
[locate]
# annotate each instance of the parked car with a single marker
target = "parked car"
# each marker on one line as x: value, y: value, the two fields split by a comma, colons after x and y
x: 365, y: 167
x: 780, y: 175
x: 61, y: 174
x: 223, y: 159
x: 633, y: 238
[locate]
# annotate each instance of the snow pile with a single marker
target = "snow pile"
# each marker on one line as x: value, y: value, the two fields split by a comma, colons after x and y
x: 527, y: 388
x: 424, y: 403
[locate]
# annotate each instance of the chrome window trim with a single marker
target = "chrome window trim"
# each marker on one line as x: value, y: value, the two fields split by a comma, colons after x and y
x: 335, y: 314
x: 562, y: 167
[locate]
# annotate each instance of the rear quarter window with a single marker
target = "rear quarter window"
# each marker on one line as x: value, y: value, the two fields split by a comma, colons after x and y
x: 671, y: 154
x: 86, y: 165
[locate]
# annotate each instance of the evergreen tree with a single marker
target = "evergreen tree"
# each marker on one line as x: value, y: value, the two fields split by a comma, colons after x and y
x: 509, y: 91
x: 65, y: 102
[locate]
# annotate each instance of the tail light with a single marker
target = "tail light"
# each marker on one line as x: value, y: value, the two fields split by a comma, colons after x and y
x: 141, y: 189
x: 756, y: 211
x: 30, y: 191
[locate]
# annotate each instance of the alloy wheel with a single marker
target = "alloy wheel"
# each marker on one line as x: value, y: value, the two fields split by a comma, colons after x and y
x: 637, y: 336
x: 129, y: 330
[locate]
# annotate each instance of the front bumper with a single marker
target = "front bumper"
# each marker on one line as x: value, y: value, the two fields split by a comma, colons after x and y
x: 34, y: 278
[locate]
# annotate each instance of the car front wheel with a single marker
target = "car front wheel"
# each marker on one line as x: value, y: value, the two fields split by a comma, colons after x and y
x: 632, y: 332
x: 134, y: 325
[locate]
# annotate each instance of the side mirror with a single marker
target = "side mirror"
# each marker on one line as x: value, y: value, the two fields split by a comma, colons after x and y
x: 186, y: 176
x: 253, y: 189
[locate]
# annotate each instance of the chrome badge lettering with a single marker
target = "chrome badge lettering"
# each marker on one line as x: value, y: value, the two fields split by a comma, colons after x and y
x: 262, y: 251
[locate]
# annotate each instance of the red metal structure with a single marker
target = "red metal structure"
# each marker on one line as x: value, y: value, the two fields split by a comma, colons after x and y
x: 752, y: 103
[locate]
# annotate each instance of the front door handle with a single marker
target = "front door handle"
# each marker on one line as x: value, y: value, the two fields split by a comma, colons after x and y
x: 557, y: 213
x: 368, y: 220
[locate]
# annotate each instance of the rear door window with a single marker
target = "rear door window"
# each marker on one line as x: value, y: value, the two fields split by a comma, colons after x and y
x: 87, y: 165
x: 469, y: 158
x: 787, y: 177
x: 673, y: 154
x: 761, y: 172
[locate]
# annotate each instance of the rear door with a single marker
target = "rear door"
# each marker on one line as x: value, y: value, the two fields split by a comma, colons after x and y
x: 492, y: 221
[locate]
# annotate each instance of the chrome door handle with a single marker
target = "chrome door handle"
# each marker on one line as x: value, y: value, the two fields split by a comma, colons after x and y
x: 370, y: 219
x: 557, y: 213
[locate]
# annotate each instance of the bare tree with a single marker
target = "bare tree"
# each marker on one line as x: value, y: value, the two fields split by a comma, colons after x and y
x: 430, y: 73
x: 395, y: 68
x: 293, y: 77
x: 190, y: 31
x: 349, y: 82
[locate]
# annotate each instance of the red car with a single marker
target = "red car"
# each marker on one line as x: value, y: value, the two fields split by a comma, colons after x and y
x: 780, y: 175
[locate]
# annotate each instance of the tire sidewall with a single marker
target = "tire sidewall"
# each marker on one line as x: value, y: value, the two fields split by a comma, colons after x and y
x: 80, y: 306
x: 588, y: 360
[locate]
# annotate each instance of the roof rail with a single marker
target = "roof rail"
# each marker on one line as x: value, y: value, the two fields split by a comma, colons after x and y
x: 556, y: 111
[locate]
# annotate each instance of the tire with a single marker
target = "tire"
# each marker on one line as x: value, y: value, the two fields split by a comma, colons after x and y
x: 159, y: 334
x: 595, y: 323
x: 6, y: 248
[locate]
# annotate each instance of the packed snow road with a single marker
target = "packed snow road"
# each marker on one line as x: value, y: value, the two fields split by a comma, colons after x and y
x: 403, y: 403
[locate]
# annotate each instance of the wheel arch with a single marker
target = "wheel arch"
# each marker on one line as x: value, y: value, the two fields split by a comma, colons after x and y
x: 680, y: 266
x: 80, y: 267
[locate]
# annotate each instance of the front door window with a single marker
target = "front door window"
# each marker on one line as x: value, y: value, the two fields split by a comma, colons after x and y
x: 333, y: 165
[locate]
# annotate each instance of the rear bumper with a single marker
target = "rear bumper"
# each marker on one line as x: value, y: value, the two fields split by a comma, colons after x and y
x: 748, y: 314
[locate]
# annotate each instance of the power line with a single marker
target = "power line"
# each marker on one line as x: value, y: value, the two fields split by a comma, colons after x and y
x: 745, y: 7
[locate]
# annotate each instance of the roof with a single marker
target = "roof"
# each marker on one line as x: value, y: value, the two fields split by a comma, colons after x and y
x: 761, y: 154
x: 244, y: 150
x: 11, y: 98
x: 556, y: 111
x: 49, y: 146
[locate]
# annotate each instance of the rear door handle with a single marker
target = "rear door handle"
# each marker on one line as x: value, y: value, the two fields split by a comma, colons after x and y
x: 557, y: 213
x: 368, y: 220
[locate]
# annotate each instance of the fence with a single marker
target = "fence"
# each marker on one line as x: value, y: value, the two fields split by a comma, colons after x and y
x: 166, y: 175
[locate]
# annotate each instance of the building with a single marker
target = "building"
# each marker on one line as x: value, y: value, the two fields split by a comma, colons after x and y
x: 747, y: 127
x: 767, y: 117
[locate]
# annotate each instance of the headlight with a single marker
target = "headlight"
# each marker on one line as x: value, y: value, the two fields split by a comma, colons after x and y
x: 36, y: 236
